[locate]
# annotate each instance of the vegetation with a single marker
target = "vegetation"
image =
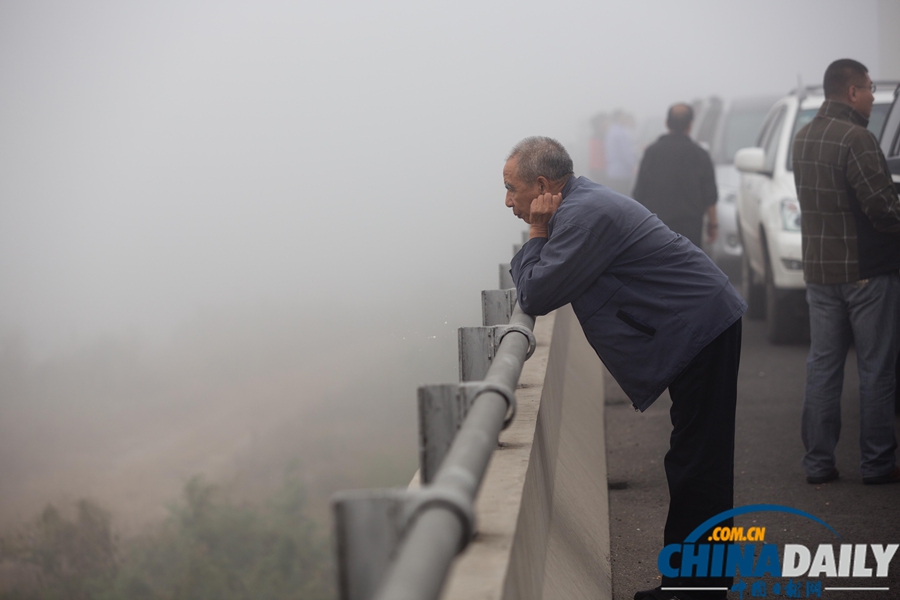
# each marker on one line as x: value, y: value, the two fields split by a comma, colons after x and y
x: 208, y: 549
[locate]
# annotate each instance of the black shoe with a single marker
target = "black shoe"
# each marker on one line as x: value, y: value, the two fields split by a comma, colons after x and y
x: 830, y: 476
x: 892, y: 477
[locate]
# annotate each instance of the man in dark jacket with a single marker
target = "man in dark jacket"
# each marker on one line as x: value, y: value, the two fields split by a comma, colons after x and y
x: 677, y: 181
x: 850, y: 223
x: 656, y: 310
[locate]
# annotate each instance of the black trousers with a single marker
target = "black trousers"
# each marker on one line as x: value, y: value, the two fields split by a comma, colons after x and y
x: 700, y: 461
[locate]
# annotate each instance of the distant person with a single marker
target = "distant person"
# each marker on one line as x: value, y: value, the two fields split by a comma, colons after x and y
x: 677, y: 180
x: 621, y: 160
x: 597, y: 149
x: 656, y: 310
x: 850, y: 225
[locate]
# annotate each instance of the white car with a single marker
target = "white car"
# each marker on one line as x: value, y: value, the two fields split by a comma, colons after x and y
x: 890, y: 140
x: 769, y: 214
x: 723, y: 127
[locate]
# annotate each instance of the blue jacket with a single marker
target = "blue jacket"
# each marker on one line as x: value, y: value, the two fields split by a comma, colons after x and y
x: 647, y: 299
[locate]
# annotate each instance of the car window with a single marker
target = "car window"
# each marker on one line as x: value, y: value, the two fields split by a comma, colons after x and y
x: 890, y: 135
x: 707, y: 126
x: 803, y: 118
x: 895, y: 149
x: 766, y: 128
x: 877, y: 118
x: 741, y: 129
x: 876, y: 124
x: 771, y: 143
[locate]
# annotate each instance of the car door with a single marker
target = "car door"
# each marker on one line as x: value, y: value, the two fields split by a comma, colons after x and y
x: 890, y: 141
x: 769, y: 193
x: 754, y: 187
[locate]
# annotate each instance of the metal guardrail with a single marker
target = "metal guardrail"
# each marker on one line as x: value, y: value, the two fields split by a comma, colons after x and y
x: 399, y: 544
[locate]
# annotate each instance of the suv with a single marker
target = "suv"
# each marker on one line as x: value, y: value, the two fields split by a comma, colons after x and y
x: 890, y: 146
x: 723, y: 127
x: 890, y: 140
x: 769, y: 214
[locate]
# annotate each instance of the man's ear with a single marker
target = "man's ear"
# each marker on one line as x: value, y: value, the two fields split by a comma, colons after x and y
x: 853, y: 92
x: 543, y: 184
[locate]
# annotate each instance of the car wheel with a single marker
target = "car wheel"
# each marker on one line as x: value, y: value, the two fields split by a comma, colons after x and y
x: 754, y: 294
x: 787, y: 315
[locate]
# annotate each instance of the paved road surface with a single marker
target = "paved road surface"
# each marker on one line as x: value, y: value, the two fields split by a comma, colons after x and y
x: 767, y: 470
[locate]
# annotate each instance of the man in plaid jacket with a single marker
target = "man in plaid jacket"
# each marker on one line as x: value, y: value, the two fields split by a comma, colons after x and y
x: 851, y: 256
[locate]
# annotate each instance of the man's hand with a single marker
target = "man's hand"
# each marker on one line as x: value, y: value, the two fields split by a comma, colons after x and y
x: 542, y: 208
x: 712, y: 232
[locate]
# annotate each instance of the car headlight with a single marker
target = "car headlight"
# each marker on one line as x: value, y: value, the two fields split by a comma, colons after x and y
x: 790, y: 214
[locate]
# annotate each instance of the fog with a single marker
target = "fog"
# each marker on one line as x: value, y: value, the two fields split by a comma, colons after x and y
x: 236, y: 234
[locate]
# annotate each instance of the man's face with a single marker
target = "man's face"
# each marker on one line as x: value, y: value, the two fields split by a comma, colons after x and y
x: 862, y: 98
x: 519, y: 194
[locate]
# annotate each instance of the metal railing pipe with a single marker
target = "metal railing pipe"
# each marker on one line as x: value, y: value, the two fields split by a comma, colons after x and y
x: 437, y: 532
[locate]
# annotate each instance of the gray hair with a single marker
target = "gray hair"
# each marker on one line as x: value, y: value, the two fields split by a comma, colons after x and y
x: 541, y: 156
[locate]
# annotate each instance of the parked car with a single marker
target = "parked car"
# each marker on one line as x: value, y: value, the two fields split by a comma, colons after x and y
x: 890, y: 139
x: 724, y: 127
x: 769, y: 214
x: 890, y: 146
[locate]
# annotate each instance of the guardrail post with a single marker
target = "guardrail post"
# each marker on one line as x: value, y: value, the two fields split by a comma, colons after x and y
x: 368, y: 527
x: 497, y: 306
x: 476, y: 351
x: 478, y: 345
x: 442, y: 410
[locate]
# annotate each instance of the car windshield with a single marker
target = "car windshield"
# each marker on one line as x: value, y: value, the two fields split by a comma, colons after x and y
x: 741, y: 129
x: 876, y: 123
x: 876, y: 120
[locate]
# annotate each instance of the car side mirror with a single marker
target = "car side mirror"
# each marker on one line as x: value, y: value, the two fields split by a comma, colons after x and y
x: 750, y: 160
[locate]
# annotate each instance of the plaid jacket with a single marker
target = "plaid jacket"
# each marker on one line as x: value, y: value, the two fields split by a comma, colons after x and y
x: 850, y: 213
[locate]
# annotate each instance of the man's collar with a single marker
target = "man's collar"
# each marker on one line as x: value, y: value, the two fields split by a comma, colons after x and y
x: 836, y: 109
x: 568, y: 187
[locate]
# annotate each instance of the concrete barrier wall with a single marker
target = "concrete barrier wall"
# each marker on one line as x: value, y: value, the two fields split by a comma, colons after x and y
x: 543, y: 511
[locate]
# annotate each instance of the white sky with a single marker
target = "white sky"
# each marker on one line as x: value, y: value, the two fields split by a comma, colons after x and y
x: 163, y: 158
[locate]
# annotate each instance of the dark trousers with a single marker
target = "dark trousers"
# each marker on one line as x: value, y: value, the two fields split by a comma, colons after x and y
x: 700, y: 461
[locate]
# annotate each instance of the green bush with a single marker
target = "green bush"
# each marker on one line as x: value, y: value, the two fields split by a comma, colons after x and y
x: 57, y: 558
x: 208, y: 549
